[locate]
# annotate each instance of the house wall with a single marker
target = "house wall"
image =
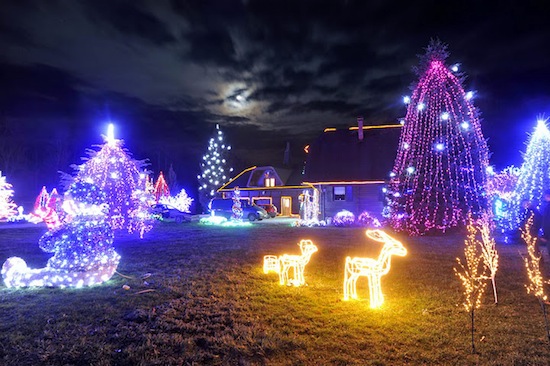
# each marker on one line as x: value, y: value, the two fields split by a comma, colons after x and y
x: 358, y: 198
x: 274, y: 194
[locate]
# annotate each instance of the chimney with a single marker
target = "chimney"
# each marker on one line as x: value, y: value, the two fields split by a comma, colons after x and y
x: 360, y: 128
x: 286, y: 159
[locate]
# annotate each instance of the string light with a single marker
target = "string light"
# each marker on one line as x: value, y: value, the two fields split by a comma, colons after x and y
x: 45, y: 209
x: 181, y: 201
x: 344, y: 218
x: 473, y: 275
x: 310, y: 209
x: 213, y: 168
x: 161, y: 189
x: 500, y: 190
x: 120, y: 177
x: 534, y: 174
x: 8, y: 208
x: 82, y: 246
x: 372, y: 268
x: 237, y: 206
x: 297, y: 263
x: 479, y: 233
x: 441, y: 177
x: 271, y: 264
x: 532, y: 263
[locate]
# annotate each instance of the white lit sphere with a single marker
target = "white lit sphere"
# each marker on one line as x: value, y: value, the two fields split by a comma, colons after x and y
x: 12, y: 268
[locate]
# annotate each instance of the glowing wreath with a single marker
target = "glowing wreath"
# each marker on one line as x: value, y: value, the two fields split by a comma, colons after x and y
x: 372, y: 268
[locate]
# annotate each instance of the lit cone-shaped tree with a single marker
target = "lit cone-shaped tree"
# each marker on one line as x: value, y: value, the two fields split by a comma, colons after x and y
x: 214, y: 171
x: 121, y: 177
x: 439, y: 175
x: 161, y: 188
x: 7, y: 207
x: 534, y: 176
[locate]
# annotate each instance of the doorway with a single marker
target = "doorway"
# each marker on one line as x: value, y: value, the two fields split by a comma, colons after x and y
x: 286, y: 206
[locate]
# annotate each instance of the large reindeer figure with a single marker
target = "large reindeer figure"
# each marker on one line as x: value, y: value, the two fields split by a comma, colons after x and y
x: 372, y: 268
x: 297, y: 263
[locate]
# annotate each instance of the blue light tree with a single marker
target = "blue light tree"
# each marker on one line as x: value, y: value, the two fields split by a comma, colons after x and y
x: 123, y: 179
x: 534, y: 176
x: 82, y: 246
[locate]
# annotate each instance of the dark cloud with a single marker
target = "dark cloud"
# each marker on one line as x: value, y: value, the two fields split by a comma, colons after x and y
x: 275, y: 70
x: 130, y: 18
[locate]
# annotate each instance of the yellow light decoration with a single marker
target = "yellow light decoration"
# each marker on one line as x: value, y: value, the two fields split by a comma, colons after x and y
x: 473, y: 275
x: 297, y: 263
x: 372, y: 268
x: 532, y: 264
x: 479, y: 234
x: 271, y: 264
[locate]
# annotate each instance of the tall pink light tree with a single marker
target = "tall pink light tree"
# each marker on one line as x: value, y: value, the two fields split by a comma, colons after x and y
x: 439, y: 175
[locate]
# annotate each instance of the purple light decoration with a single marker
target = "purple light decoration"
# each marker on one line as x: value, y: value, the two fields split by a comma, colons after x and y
x: 367, y: 220
x: 436, y: 184
x: 344, y: 218
x: 120, y: 176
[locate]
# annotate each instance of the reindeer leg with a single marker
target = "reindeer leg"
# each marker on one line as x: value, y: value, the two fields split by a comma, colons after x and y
x: 283, y: 273
x: 376, y: 299
x: 346, y: 280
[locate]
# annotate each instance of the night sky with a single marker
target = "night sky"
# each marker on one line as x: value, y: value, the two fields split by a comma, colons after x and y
x: 165, y: 72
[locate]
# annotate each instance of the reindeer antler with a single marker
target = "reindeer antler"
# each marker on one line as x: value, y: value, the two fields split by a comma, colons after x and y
x: 377, y: 235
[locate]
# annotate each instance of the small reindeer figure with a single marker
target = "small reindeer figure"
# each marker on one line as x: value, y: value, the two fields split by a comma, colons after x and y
x: 297, y: 262
x: 372, y: 268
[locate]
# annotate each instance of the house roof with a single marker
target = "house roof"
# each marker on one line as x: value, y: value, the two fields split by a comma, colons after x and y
x: 254, y: 177
x: 339, y: 155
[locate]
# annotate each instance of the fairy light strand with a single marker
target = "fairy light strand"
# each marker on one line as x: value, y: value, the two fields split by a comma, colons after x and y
x: 441, y: 174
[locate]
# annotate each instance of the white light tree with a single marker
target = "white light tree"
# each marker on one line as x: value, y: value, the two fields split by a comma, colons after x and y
x: 7, y: 207
x: 534, y: 175
x: 214, y: 171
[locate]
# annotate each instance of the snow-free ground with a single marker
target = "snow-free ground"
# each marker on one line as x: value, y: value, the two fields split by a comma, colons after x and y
x: 196, y: 295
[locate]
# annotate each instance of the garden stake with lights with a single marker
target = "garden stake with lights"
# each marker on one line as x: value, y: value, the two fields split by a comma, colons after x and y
x: 532, y: 265
x: 473, y: 275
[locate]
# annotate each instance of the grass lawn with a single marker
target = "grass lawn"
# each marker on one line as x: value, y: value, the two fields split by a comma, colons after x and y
x: 197, y: 295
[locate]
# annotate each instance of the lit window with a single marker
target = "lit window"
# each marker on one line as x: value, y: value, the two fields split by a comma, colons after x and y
x: 270, y: 182
x: 339, y: 193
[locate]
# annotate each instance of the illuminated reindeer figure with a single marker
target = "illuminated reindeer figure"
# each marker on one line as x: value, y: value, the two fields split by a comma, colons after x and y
x: 372, y: 268
x: 297, y: 262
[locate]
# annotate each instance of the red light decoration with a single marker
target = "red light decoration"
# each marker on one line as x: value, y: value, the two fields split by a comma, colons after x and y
x: 439, y: 175
x: 161, y: 188
x: 45, y: 208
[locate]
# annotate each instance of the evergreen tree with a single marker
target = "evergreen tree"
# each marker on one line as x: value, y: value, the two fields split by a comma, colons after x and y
x: 123, y: 180
x: 439, y: 175
x: 214, y: 171
x: 534, y: 176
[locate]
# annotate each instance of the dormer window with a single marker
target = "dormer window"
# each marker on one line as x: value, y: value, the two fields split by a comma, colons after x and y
x: 270, y: 182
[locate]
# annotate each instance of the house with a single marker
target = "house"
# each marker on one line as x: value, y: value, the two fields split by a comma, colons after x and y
x: 265, y: 184
x: 351, y: 166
